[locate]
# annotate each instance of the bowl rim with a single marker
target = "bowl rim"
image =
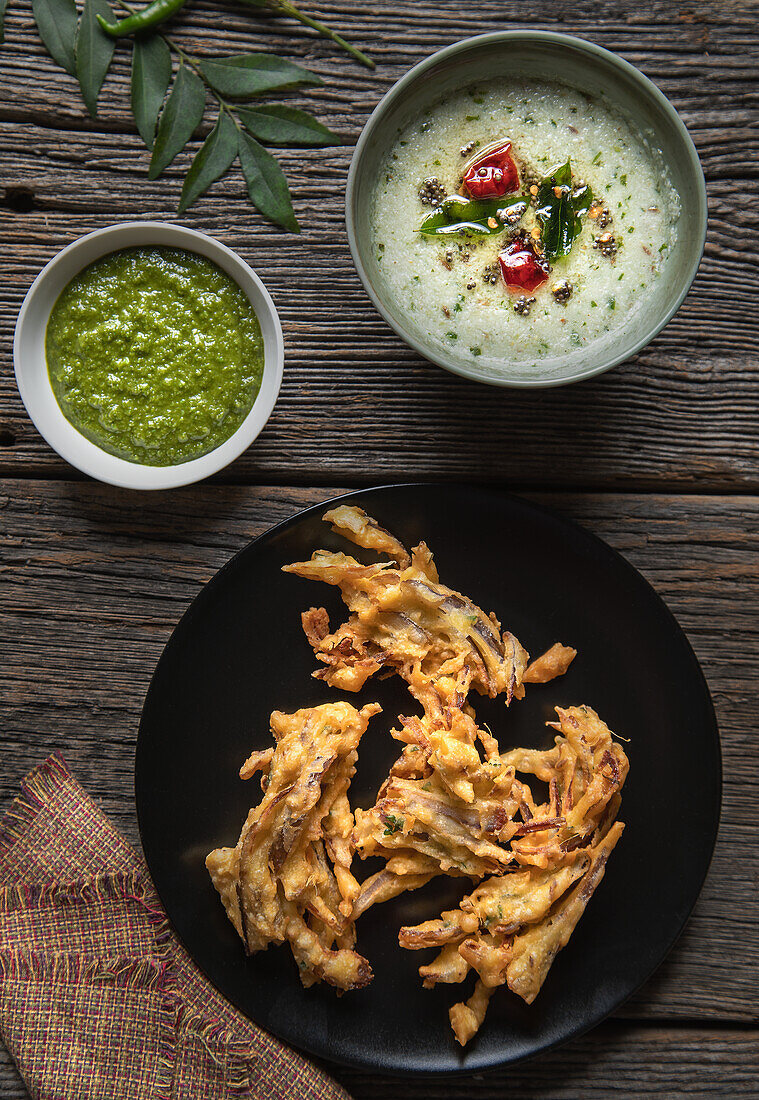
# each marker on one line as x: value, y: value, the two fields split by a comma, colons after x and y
x: 74, y: 447
x: 594, y: 52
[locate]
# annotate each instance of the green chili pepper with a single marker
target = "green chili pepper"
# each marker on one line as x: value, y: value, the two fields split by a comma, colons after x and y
x: 151, y: 16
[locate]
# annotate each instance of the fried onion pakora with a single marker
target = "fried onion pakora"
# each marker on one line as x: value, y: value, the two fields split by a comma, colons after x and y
x: 584, y: 770
x: 404, y: 870
x: 512, y: 925
x: 424, y: 816
x: 452, y: 803
x: 403, y: 620
x: 401, y: 616
x: 288, y: 878
x: 522, y: 962
x: 497, y: 821
x: 534, y: 950
x: 467, y: 1018
x: 447, y: 731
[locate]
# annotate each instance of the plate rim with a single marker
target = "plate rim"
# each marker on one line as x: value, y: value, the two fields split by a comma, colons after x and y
x: 482, y: 1065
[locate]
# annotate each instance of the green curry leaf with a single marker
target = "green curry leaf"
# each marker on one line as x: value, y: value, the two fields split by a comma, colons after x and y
x: 281, y: 125
x: 212, y: 160
x: 457, y: 214
x: 94, y: 51
x: 179, y: 119
x: 151, y: 73
x: 248, y: 74
x: 560, y: 210
x: 57, y: 22
x: 267, y: 186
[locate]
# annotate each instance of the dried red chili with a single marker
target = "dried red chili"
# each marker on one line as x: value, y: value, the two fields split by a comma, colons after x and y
x: 492, y: 174
x: 521, y: 266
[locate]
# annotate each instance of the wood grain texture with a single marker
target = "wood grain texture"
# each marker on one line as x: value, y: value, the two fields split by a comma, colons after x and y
x: 357, y: 405
x: 628, y: 1061
x: 615, y: 1060
x: 94, y: 581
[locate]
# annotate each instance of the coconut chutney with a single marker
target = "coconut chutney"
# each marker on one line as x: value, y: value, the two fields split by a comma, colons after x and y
x: 520, y: 222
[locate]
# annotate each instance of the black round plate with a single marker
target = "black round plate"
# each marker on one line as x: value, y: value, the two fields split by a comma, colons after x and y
x: 239, y: 653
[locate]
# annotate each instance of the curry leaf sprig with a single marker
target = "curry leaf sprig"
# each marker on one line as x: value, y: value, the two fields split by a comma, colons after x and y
x: 159, y: 11
x: 168, y: 103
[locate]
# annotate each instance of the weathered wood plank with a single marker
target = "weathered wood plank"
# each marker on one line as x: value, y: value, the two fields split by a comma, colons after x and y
x: 702, y: 57
x: 92, y: 585
x: 349, y: 380
x: 624, y: 1060
x: 378, y: 412
x: 613, y: 1060
x: 94, y: 580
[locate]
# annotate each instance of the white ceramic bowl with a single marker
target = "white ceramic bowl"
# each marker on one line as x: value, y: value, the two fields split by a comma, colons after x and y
x: 34, y: 382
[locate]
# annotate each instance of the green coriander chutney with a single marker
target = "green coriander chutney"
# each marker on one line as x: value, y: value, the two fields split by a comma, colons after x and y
x: 154, y: 354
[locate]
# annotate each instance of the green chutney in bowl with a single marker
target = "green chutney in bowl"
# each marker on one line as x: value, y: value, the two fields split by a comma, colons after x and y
x: 154, y: 354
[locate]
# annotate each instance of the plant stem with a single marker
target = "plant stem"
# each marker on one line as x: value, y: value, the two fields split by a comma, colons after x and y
x: 287, y: 8
x: 284, y: 7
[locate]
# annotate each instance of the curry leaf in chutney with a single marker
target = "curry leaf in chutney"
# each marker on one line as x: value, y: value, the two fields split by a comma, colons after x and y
x: 151, y: 73
x: 457, y: 214
x: 560, y: 209
x: 211, y: 161
x: 57, y: 22
x: 94, y: 51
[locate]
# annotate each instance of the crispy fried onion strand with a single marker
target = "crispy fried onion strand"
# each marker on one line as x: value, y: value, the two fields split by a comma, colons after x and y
x: 554, y: 662
x: 401, y: 616
x: 289, y: 878
x: 512, y: 925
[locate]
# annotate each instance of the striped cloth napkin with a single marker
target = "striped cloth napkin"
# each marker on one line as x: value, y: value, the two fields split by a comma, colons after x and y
x: 98, y: 999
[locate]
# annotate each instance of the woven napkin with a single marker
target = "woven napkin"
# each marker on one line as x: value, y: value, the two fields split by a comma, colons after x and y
x: 98, y: 999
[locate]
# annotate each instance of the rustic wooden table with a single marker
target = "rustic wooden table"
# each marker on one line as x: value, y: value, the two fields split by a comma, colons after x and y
x: 660, y: 457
